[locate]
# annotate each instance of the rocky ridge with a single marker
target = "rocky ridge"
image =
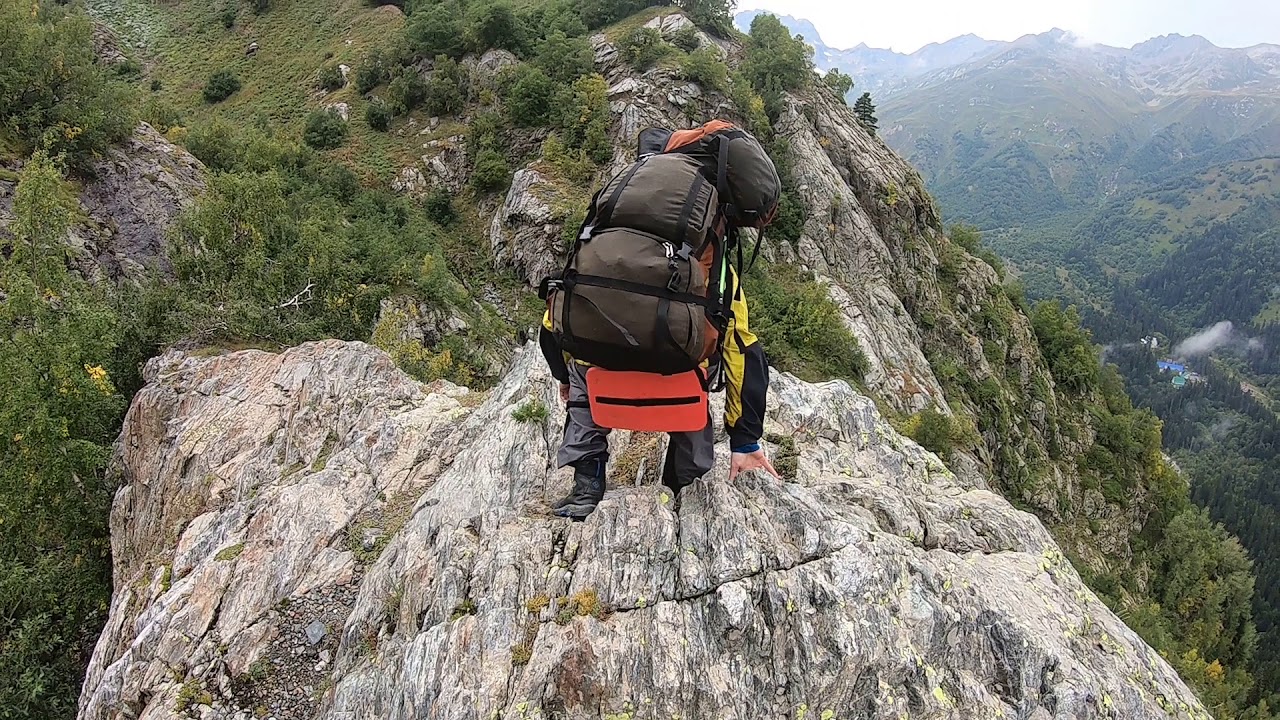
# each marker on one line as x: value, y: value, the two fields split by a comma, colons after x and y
x: 263, y: 490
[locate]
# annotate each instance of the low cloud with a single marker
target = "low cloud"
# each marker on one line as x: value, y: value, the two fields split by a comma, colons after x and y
x: 1223, y: 334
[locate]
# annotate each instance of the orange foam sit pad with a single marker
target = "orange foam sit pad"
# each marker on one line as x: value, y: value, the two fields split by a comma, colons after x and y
x: 647, y: 402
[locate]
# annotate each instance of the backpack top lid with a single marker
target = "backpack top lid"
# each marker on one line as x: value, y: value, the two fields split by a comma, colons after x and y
x: 745, y: 175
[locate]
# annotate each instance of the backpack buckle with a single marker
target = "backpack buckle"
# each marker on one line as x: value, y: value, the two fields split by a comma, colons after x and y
x: 548, y: 286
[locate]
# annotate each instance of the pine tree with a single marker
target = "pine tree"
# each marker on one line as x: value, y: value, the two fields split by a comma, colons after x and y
x: 866, y: 112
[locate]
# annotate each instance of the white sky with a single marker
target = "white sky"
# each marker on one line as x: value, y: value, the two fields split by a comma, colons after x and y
x: 906, y: 25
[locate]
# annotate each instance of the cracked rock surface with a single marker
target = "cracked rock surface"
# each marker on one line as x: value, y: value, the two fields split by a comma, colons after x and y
x: 267, y: 496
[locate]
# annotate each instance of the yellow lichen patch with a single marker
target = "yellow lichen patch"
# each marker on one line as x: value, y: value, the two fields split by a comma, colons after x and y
x: 941, y: 696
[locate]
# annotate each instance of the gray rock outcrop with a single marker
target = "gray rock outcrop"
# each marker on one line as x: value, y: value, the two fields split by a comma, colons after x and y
x: 135, y: 194
x: 313, y: 534
x: 526, y: 231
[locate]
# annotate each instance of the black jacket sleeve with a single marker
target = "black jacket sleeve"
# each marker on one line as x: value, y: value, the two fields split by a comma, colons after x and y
x: 555, y: 358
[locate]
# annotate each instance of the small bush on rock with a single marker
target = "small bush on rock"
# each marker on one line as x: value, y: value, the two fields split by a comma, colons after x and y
x: 705, y: 68
x: 491, y: 173
x: 330, y: 78
x: 643, y: 47
x: 531, y: 412
x: 529, y: 94
x: 686, y: 38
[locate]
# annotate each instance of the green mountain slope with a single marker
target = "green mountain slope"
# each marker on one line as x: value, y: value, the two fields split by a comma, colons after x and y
x: 1153, y: 205
x: 1030, y: 142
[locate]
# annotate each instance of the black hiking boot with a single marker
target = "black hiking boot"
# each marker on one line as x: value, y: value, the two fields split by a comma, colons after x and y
x: 588, y: 491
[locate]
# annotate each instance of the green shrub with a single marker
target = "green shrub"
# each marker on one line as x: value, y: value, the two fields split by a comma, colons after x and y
x: 222, y: 84
x: 970, y: 238
x: 445, y: 92
x: 330, y: 78
x: 491, y: 173
x: 128, y: 68
x: 686, y: 38
x: 776, y: 62
x: 643, y: 48
x: 435, y: 30
x: 52, y: 89
x: 564, y: 59
x: 439, y: 206
x: 378, y: 115
x: 1066, y: 346
x: 228, y: 16
x: 714, y: 15
x: 261, y: 6
x: 532, y: 411
x: 584, y: 117
x: 800, y: 326
x: 572, y: 165
x: 550, y: 17
x: 160, y: 115
x: 325, y: 130
x: 838, y: 83
x: 934, y: 432
x: 598, y: 13
x: 372, y: 71
x: 156, y: 85
x: 705, y: 68
x: 406, y: 91
x: 61, y: 408
x: 488, y: 131
x: 529, y: 95
x: 790, y: 222
x: 222, y: 145
x: 493, y: 24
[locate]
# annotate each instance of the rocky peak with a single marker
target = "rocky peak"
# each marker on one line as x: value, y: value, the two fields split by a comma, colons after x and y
x: 312, y: 534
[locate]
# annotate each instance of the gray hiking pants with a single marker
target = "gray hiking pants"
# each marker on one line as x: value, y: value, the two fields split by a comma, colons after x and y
x: 690, y: 455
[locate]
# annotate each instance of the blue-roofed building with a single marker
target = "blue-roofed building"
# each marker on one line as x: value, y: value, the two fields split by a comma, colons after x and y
x: 1171, y: 366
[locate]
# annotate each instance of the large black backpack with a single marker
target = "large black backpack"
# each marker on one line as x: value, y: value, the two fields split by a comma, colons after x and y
x: 646, y: 284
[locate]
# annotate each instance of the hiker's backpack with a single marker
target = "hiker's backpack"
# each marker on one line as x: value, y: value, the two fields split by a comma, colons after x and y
x: 645, y: 287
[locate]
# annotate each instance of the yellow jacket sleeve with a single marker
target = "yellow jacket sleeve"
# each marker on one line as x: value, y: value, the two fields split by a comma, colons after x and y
x: 746, y: 376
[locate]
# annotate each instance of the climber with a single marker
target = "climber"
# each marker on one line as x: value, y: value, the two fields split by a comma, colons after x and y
x: 690, y: 455
x: 649, y: 316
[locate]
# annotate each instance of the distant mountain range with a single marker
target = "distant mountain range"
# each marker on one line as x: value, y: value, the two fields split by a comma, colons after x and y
x: 1079, y: 162
x: 1165, y: 66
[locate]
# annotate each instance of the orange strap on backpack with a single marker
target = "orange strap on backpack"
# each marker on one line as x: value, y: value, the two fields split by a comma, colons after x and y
x: 647, y: 402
